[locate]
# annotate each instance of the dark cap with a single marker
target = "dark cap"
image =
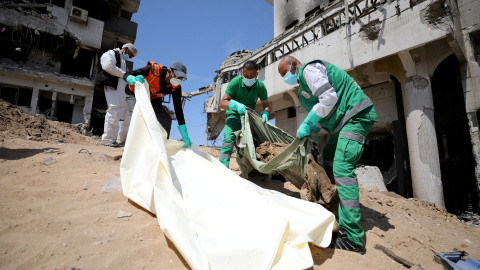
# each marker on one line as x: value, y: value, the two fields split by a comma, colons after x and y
x: 179, y: 69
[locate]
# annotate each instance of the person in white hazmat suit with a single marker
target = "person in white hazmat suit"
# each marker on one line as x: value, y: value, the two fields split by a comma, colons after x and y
x: 113, y: 135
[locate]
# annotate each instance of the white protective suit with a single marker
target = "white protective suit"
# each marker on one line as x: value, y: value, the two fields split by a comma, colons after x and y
x: 117, y: 105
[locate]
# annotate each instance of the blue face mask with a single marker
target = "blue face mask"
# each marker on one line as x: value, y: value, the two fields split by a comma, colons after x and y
x: 249, y: 82
x: 125, y: 56
x: 290, y: 78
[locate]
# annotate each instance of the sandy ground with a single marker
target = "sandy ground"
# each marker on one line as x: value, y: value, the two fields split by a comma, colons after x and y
x: 53, y: 214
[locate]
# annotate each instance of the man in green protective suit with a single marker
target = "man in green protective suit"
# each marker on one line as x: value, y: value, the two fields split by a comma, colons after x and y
x: 337, y: 104
x: 242, y: 91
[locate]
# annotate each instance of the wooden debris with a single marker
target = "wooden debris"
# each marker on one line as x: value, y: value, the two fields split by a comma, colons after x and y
x: 392, y: 255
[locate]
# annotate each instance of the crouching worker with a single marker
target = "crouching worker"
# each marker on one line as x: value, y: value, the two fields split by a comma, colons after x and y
x: 242, y: 91
x: 336, y: 103
x: 162, y: 81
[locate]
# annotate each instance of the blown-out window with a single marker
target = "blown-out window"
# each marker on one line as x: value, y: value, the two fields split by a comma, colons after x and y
x: 16, y: 95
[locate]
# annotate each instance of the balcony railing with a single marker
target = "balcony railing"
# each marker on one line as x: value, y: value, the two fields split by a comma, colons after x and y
x: 121, y: 26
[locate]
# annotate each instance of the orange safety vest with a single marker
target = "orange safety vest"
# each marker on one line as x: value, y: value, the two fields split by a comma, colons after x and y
x: 153, y: 79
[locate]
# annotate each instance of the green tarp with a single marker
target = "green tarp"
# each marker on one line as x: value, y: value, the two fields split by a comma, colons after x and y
x: 291, y: 162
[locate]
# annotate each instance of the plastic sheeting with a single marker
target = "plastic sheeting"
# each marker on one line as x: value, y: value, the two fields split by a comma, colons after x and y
x: 216, y: 219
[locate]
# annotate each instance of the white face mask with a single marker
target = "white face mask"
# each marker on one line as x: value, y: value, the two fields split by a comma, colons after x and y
x: 175, y: 81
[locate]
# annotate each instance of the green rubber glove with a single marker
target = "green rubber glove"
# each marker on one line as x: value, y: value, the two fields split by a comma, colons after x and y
x: 236, y: 106
x: 185, y: 138
x: 131, y: 79
x: 140, y: 78
x: 308, y: 124
x: 265, y: 115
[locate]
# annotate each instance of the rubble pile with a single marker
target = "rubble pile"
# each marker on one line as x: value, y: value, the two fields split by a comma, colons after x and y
x: 15, y: 123
x: 470, y: 218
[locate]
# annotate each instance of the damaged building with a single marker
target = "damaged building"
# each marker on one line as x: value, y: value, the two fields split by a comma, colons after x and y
x: 51, y: 51
x: 418, y: 61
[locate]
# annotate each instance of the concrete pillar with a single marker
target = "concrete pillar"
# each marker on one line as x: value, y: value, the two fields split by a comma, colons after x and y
x: 420, y: 124
x: 87, y: 109
x: 475, y: 138
x: 34, y: 101
x: 53, y: 112
x: 470, y: 72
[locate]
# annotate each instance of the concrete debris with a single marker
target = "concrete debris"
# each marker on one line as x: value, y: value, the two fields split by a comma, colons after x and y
x: 84, y: 129
x: 215, y: 124
x: 85, y: 186
x: 370, y: 176
x: 470, y: 218
x: 234, y: 57
x: 122, y: 214
x: 49, y: 161
x: 42, y: 22
x: 51, y: 151
x: 114, y: 184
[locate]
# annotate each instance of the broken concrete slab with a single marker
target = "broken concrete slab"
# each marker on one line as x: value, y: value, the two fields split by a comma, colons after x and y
x: 370, y: 176
x: 122, y: 214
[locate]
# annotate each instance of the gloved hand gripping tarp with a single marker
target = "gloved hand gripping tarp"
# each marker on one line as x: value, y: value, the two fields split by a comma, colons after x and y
x: 290, y: 163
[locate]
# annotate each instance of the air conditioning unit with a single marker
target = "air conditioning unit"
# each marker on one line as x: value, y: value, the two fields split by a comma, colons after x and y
x: 79, y: 15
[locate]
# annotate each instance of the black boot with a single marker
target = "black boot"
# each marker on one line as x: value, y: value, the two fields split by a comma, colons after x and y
x: 340, y: 241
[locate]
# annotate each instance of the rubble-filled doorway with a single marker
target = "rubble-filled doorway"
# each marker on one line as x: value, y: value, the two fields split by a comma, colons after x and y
x: 455, y: 148
x: 55, y: 106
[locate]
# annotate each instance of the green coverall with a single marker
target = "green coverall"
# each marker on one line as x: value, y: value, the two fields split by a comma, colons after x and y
x: 237, y: 90
x: 349, y: 123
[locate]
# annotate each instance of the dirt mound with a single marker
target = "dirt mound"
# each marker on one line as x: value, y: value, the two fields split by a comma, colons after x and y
x: 317, y: 186
x: 15, y: 123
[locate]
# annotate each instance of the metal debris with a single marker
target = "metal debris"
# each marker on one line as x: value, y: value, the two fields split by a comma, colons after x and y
x: 83, y: 150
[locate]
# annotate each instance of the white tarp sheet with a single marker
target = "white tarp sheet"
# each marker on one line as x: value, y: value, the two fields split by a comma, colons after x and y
x: 216, y: 219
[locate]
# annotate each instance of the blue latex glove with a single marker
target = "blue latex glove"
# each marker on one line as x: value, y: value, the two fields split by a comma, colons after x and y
x: 185, y: 138
x: 308, y: 124
x: 140, y: 78
x: 132, y: 79
x: 264, y: 115
x: 236, y: 106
